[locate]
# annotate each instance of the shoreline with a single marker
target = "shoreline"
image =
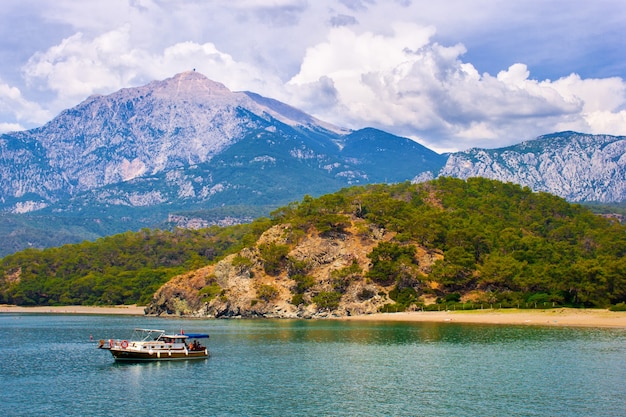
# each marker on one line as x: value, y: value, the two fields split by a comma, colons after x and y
x: 131, y: 310
x: 570, y: 317
x: 566, y: 317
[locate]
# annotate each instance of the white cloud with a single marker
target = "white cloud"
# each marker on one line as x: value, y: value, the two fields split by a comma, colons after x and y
x: 601, y: 122
x: 217, y: 65
x: 10, y: 127
x: 79, y: 67
x: 352, y: 62
x: 366, y: 71
x: 13, y: 103
x: 595, y: 94
x: 409, y: 84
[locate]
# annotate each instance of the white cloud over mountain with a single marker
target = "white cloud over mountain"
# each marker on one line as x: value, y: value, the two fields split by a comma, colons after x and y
x: 408, y: 81
x: 406, y: 67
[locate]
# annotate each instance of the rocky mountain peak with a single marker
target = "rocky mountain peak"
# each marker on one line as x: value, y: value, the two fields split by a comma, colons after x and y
x: 140, y: 132
x: 189, y: 85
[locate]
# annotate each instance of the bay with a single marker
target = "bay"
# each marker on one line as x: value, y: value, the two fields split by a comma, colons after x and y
x: 50, y: 366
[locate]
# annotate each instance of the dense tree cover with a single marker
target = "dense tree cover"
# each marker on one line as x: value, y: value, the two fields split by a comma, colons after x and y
x: 51, y: 227
x: 607, y: 208
x: 122, y: 269
x: 498, y: 239
x: 392, y: 263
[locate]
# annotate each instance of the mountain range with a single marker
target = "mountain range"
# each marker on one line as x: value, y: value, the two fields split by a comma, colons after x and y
x: 575, y: 166
x: 188, y: 151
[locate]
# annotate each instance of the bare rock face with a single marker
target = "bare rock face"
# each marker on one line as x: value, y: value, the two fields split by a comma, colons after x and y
x: 240, y: 286
x: 571, y: 165
x: 181, y: 294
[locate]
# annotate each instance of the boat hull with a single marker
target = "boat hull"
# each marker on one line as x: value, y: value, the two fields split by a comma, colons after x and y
x: 166, y: 355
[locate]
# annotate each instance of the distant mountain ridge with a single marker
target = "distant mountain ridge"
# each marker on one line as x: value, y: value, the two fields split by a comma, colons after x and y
x: 186, y: 149
x: 575, y: 166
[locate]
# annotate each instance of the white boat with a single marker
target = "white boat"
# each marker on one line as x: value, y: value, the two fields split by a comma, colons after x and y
x: 156, y: 345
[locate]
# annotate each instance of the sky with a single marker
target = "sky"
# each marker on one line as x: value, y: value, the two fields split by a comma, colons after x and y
x: 450, y: 74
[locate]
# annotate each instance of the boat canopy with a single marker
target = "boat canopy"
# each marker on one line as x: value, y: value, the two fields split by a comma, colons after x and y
x: 196, y: 335
x: 149, y: 334
x: 140, y: 334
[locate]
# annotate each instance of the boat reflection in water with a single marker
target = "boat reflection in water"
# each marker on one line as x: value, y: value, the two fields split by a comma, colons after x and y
x: 156, y: 345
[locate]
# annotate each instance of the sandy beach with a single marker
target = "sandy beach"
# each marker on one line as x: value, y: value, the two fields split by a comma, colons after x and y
x: 549, y: 317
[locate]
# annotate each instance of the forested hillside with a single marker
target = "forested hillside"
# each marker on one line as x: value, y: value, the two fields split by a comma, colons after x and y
x: 393, y: 247
x: 122, y: 269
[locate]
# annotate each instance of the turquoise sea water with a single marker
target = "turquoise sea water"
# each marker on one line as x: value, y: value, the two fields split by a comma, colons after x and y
x: 50, y: 367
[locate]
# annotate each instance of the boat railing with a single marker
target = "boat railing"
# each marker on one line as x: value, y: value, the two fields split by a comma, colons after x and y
x: 108, y: 344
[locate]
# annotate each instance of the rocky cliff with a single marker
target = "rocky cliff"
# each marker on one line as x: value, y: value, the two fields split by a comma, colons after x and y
x: 240, y: 285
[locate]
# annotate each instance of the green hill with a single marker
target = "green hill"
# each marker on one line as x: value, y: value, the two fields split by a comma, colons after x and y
x: 407, y: 246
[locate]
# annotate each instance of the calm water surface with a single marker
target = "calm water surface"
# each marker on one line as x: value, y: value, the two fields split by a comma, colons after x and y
x: 49, y: 366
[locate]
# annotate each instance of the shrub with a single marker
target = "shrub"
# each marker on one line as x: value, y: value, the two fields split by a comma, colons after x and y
x: 210, y: 292
x: 538, y: 298
x: 242, y: 262
x: 391, y: 263
x: 303, y: 283
x: 454, y: 297
x: 341, y: 278
x: 392, y: 308
x: 297, y: 267
x: 327, y: 300
x: 267, y: 292
x: 297, y: 299
x: 331, y: 224
x: 273, y: 256
x: 618, y: 307
x: 403, y: 297
x: 239, y: 260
